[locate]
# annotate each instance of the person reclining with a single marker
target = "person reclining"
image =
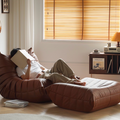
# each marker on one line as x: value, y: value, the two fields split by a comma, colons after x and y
x: 60, y: 72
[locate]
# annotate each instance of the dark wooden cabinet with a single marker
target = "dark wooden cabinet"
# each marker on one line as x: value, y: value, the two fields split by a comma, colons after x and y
x: 104, y: 63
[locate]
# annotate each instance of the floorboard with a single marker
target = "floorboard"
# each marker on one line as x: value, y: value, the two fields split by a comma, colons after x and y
x: 50, y: 109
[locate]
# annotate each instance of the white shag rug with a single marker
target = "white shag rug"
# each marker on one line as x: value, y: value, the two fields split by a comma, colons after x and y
x: 17, y: 116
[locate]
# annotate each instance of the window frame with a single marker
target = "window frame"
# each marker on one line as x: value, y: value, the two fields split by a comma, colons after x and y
x: 75, y: 40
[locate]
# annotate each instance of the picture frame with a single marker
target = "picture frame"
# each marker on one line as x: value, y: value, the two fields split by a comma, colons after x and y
x: 98, y: 64
x: 5, y: 5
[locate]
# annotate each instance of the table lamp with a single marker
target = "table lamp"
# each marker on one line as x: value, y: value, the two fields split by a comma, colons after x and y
x: 116, y: 37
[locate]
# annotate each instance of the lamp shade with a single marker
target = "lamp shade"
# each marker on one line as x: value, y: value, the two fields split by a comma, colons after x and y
x: 116, y: 37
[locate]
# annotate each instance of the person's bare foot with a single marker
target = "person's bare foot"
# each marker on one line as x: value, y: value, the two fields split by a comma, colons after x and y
x: 80, y: 83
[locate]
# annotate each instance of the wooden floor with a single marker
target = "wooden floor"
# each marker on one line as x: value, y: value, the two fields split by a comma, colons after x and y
x: 49, y: 109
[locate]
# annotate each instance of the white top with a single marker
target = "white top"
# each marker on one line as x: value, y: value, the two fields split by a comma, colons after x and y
x: 34, y: 71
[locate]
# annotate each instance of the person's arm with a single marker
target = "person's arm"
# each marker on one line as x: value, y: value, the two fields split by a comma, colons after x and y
x: 27, y: 74
x: 43, y: 68
x: 36, y: 58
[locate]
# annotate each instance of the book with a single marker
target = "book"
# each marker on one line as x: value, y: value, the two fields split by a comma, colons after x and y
x: 119, y: 70
x: 16, y: 103
x: 109, y: 66
x: 98, y: 63
x: 20, y: 58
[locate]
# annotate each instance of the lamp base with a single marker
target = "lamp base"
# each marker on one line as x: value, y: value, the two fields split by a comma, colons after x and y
x: 118, y: 44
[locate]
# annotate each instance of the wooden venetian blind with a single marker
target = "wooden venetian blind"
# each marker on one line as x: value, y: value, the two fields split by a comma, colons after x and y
x: 114, y: 17
x: 81, y: 19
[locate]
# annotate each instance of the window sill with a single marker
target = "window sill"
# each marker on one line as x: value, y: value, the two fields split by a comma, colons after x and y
x: 83, y: 41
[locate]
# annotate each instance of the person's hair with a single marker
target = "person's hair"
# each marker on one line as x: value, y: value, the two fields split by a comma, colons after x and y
x: 14, y: 51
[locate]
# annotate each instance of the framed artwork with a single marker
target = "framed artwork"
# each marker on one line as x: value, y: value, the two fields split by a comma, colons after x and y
x: 5, y: 6
x: 98, y: 63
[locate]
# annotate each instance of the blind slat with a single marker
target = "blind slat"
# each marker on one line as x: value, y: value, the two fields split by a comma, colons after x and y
x: 90, y: 20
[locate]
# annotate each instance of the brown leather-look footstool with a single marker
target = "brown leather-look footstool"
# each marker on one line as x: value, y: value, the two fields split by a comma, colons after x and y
x: 96, y: 95
x: 13, y: 87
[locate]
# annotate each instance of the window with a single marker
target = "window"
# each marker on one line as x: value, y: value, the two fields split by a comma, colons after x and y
x: 81, y: 19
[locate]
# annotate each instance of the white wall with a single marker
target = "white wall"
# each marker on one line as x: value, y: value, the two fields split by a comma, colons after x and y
x: 4, y: 32
x: 75, y: 53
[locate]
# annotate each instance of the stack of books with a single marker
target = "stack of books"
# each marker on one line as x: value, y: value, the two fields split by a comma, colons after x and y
x: 16, y: 103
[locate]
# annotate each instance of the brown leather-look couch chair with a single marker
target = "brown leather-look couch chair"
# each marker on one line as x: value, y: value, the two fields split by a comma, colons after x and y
x: 13, y: 87
x: 95, y: 95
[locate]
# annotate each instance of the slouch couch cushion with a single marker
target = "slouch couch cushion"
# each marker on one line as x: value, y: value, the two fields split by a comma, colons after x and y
x: 97, y: 94
x: 13, y: 87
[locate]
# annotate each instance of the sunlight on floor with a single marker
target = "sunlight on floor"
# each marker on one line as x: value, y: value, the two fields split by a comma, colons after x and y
x: 51, y: 110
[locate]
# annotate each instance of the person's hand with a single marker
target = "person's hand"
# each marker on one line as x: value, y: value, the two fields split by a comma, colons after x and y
x: 33, y: 54
x: 30, y: 50
x: 29, y: 62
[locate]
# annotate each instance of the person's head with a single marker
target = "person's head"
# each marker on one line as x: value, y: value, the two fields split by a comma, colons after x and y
x: 14, y: 51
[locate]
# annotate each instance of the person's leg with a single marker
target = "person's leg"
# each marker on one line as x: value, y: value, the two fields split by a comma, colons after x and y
x: 56, y: 78
x: 61, y: 67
